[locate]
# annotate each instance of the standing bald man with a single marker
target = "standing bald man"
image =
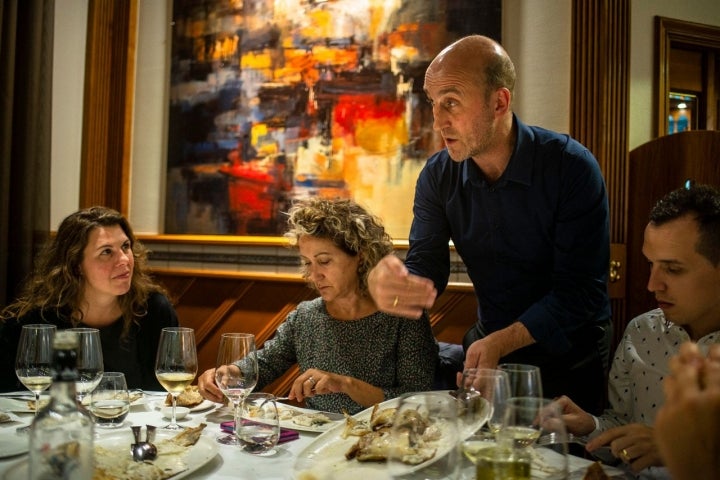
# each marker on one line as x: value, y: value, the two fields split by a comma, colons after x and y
x: 527, y: 211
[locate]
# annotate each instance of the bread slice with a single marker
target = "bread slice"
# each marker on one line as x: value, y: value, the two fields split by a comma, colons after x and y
x: 189, y: 398
x: 595, y: 472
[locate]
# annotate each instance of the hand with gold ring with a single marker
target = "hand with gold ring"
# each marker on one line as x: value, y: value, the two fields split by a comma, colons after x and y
x: 625, y: 455
x: 395, y: 302
x: 633, y: 443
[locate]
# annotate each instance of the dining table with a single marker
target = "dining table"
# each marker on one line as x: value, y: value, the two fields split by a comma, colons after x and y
x: 217, y: 462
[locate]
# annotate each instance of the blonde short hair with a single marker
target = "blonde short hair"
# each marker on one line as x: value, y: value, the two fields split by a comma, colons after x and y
x: 347, y: 224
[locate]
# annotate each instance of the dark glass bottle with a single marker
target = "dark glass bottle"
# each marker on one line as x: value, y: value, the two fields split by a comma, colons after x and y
x: 61, y: 436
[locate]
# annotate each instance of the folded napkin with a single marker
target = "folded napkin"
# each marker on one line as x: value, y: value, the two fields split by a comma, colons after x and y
x: 286, y: 435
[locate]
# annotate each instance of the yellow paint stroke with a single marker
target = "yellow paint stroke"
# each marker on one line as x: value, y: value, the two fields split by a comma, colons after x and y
x: 319, y: 25
x: 256, y: 60
x: 381, y: 135
x: 347, y: 58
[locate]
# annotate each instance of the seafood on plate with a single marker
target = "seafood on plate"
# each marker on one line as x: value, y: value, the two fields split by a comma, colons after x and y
x: 413, y: 440
x: 112, y: 464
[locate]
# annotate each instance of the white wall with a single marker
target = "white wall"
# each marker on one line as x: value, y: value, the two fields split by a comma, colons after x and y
x: 67, y: 111
x: 147, y: 171
x: 536, y: 35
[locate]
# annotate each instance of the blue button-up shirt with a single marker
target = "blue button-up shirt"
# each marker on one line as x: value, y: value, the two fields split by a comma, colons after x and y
x: 535, y: 242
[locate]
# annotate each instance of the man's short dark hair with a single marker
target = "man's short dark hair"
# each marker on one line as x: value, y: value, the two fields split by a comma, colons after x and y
x: 703, y: 203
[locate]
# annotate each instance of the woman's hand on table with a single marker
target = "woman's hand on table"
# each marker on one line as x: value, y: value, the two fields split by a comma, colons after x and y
x: 634, y: 444
x: 313, y: 382
x: 207, y: 387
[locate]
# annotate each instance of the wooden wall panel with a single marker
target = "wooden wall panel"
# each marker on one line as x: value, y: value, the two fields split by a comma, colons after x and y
x: 599, y: 111
x: 213, y: 303
x: 108, y: 104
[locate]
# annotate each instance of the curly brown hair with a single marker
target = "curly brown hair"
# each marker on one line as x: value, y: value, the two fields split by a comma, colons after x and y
x: 347, y: 224
x: 56, y: 280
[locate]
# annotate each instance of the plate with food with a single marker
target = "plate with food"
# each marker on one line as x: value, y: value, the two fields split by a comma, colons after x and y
x: 358, y: 446
x: 22, y: 404
x: 307, y: 420
x: 190, y: 398
x: 179, y: 455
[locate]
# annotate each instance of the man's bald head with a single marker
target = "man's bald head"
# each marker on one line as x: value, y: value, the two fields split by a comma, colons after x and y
x: 478, y: 57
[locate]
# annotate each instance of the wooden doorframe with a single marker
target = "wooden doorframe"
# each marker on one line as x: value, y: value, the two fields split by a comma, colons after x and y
x: 671, y: 32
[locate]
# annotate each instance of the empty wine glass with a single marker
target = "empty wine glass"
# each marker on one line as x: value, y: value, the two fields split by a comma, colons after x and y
x: 176, y: 364
x: 485, y: 391
x: 236, y: 372
x: 89, y: 361
x: 424, y: 441
x: 525, y: 380
x: 257, y: 426
x: 33, y: 362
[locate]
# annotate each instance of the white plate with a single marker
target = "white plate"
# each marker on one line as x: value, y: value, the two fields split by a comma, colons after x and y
x: 12, y: 447
x: 197, y: 456
x: 288, y: 423
x: 326, y: 454
x: 203, y: 406
x: 19, y: 405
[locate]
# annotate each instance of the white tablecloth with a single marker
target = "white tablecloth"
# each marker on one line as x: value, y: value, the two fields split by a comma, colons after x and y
x: 230, y: 463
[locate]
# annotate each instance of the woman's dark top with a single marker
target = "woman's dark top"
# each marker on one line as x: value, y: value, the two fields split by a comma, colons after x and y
x: 134, y: 355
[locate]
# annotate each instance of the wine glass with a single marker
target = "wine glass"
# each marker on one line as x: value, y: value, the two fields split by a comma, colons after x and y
x: 110, y: 400
x: 89, y: 361
x: 33, y: 362
x: 427, y: 421
x: 525, y: 380
x: 485, y: 391
x: 526, y: 419
x: 176, y: 364
x: 236, y: 372
x: 257, y: 426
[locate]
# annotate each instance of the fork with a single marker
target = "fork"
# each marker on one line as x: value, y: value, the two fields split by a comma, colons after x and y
x: 551, y: 439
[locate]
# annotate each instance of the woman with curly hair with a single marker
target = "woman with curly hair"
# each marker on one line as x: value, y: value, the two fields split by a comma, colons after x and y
x: 93, y: 273
x: 350, y: 355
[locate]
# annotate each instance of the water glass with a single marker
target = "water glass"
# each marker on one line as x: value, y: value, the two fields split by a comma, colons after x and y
x: 258, y: 424
x: 110, y: 400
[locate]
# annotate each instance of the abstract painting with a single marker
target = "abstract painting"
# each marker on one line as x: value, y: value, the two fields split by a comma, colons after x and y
x: 277, y: 100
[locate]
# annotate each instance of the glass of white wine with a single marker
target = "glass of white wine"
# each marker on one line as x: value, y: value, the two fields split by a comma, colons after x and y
x: 33, y: 362
x: 90, y: 364
x: 176, y: 364
x: 526, y: 419
x: 236, y: 372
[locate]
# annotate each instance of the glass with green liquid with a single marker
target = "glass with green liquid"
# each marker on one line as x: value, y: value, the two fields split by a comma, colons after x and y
x: 496, y: 462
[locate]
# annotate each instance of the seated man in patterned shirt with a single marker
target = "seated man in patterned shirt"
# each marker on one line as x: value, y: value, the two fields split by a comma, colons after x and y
x: 682, y: 245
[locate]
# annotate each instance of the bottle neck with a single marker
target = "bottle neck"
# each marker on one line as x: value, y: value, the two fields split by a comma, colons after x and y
x: 63, y: 391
